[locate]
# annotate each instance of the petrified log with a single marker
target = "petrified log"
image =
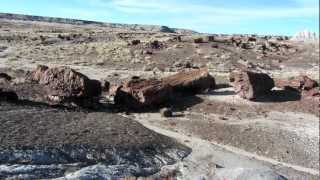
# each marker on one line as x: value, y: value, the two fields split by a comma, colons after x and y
x: 137, y: 93
x: 250, y: 85
x: 65, y: 82
x: 191, y: 81
x: 299, y: 83
x: 37, y: 73
x: 64, y: 85
x: 302, y: 84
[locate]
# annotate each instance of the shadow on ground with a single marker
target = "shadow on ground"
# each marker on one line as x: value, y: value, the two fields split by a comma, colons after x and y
x: 280, y: 96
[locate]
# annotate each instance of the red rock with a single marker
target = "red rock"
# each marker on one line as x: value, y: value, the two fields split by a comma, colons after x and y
x: 138, y: 93
x: 63, y: 84
x: 191, y: 80
x: 299, y: 83
x: 250, y: 85
x: 68, y: 83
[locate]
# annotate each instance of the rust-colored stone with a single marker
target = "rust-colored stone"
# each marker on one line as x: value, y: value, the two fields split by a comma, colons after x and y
x: 191, y: 80
x: 137, y: 93
x: 250, y: 85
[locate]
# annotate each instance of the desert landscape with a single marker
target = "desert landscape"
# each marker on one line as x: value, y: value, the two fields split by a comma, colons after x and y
x: 91, y: 100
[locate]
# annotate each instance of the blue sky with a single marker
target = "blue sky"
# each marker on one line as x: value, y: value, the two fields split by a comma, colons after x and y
x: 278, y: 17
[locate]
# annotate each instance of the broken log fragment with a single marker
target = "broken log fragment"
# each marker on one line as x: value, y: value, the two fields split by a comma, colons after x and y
x: 307, y: 87
x: 251, y: 85
x: 139, y: 93
x: 63, y: 85
x: 191, y: 81
x: 299, y: 83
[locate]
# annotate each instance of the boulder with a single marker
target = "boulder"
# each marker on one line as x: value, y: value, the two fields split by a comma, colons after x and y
x: 65, y: 84
x: 68, y: 83
x: 135, y: 42
x: 191, y: 81
x: 198, y: 40
x: 250, y: 85
x: 139, y: 93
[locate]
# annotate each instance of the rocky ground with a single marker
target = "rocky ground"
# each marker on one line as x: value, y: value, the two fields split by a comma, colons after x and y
x: 218, y: 133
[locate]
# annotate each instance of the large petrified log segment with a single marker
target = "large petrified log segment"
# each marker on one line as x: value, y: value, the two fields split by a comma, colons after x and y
x: 65, y: 83
x: 137, y: 93
x: 191, y: 80
x: 250, y: 85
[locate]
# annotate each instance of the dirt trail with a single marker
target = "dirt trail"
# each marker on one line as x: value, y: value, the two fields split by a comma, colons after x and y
x: 205, y: 155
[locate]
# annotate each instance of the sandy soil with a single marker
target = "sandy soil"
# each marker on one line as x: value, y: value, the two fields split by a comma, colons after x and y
x: 279, y: 132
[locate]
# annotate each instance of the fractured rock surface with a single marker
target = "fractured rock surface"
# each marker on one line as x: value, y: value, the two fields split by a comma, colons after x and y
x: 195, y: 81
x: 41, y: 136
x: 138, y: 93
x: 251, y: 85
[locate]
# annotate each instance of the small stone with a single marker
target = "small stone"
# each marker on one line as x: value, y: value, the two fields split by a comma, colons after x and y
x: 166, y: 112
x: 135, y: 42
x: 198, y: 40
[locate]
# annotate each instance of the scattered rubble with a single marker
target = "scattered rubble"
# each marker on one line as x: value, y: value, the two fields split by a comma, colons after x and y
x: 251, y: 85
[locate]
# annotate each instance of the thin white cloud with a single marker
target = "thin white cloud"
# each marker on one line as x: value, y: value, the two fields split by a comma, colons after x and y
x: 166, y: 6
x: 196, y: 15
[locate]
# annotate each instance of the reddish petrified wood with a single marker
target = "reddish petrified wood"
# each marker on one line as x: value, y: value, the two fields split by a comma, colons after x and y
x: 250, y: 85
x: 138, y: 93
x: 191, y: 81
x: 297, y: 83
x: 303, y: 84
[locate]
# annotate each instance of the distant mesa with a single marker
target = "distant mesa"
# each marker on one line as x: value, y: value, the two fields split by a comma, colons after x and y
x: 135, y: 27
x: 305, y: 36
